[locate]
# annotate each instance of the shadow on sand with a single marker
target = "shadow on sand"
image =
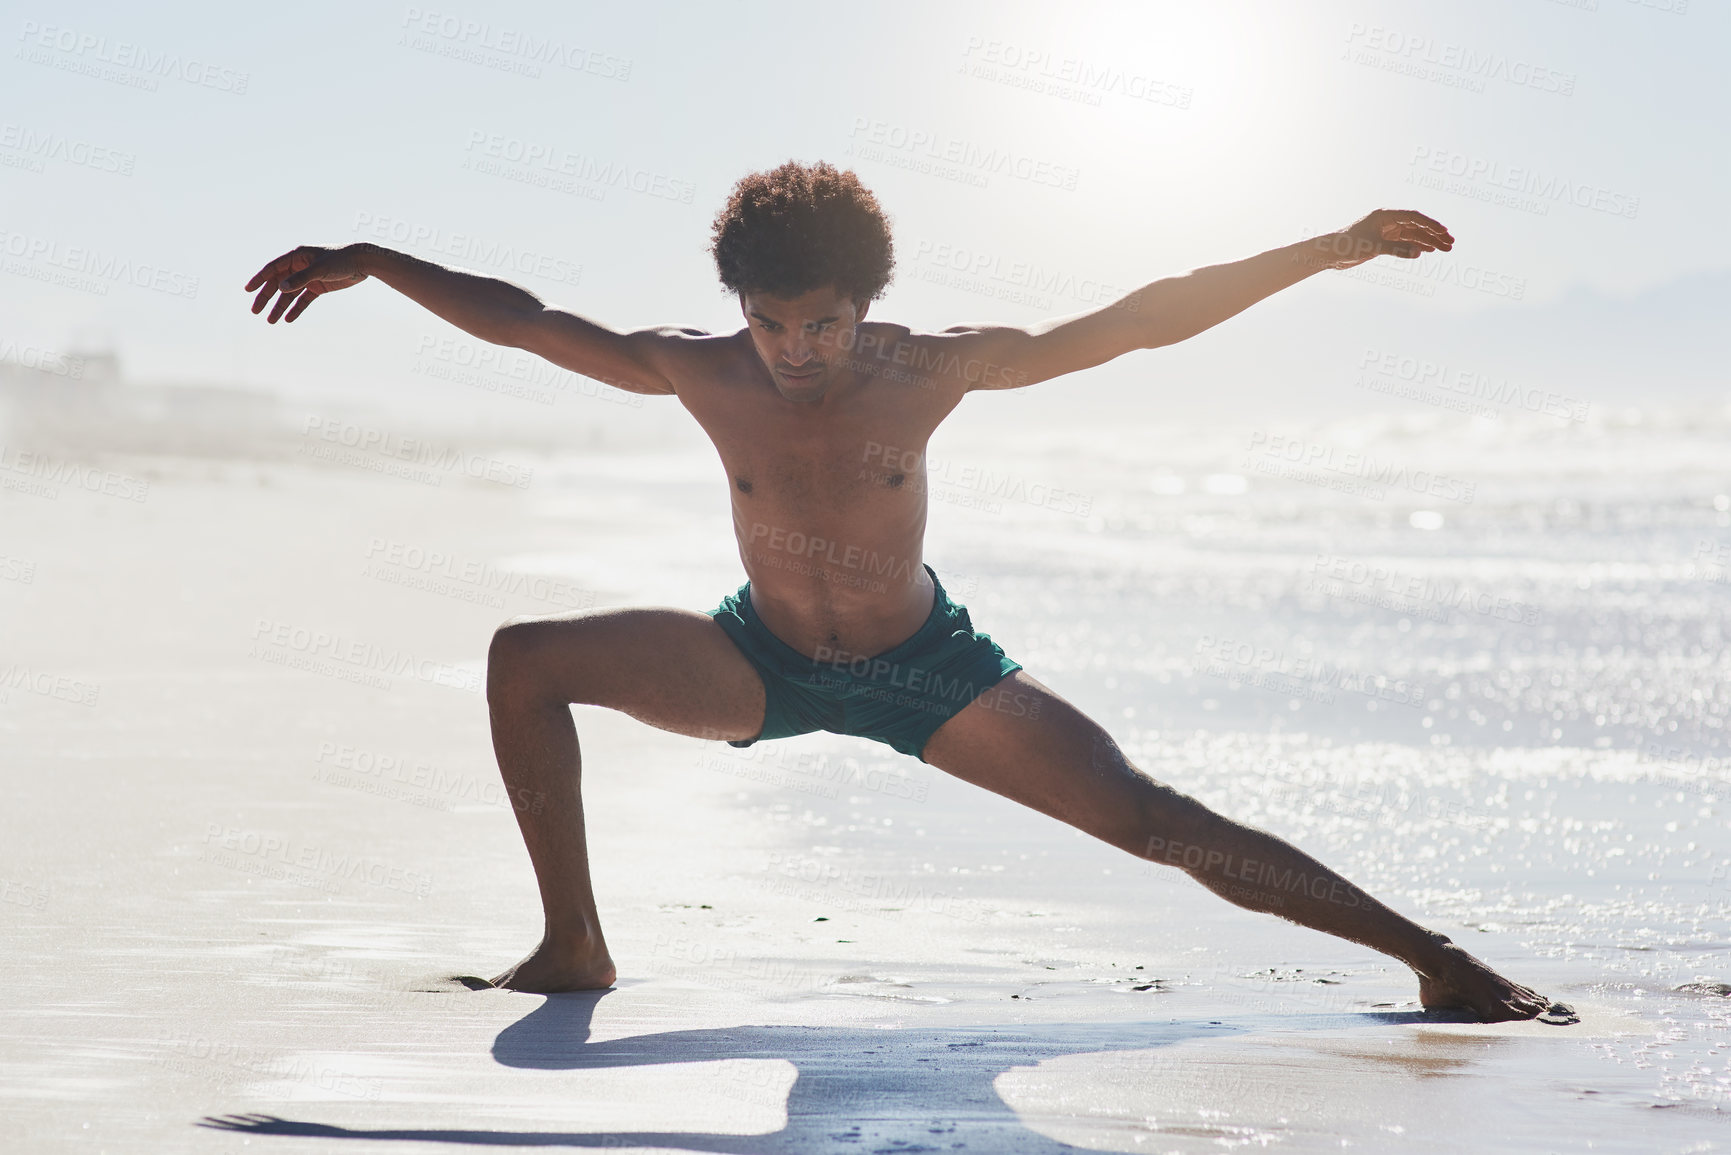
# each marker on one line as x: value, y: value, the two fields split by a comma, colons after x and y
x: 904, y: 1090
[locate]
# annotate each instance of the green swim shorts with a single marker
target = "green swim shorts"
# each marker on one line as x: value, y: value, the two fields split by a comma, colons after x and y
x: 899, y: 697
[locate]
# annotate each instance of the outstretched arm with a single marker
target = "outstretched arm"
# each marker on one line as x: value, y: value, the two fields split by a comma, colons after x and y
x: 493, y: 310
x: 1175, y: 308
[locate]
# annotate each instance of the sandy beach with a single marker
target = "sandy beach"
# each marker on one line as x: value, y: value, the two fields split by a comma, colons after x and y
x: 1422, y: 564
x: 256, y: 833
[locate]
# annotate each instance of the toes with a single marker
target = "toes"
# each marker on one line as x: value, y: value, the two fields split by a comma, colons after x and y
x: 1559, y: 1015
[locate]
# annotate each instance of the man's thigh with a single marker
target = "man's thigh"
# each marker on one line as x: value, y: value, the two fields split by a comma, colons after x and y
x: 672, y: 668
x: 1021, y: 740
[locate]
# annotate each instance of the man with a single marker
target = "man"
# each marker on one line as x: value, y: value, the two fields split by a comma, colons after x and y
x: 821, y: 419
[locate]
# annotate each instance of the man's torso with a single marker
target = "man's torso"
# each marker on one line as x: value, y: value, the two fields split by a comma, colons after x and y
x: 829, y: 500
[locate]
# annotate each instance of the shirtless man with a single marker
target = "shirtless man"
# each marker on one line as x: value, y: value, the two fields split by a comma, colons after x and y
x: 821, y: 419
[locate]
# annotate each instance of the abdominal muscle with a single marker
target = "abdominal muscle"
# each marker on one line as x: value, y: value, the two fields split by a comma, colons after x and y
x: 835, y: 594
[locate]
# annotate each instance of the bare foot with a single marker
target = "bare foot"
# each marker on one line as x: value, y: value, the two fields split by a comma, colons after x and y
x: 547, y: 971
x: 1460, y: 980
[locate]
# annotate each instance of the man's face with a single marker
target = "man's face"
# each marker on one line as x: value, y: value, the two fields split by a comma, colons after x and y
x: 800, y: 339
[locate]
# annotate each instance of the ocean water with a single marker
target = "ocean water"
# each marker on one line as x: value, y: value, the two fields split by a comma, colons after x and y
x: 1473, y: 664
x: 1476, y: 664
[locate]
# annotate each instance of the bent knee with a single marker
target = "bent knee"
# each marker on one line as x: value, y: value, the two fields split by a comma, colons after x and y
x: 525, y: 658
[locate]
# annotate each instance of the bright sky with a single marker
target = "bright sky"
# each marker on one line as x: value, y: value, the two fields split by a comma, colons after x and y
x: 1568, y: 145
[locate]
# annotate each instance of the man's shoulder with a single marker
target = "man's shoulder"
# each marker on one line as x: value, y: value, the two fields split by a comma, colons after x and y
x: 688, y: 335
x: 688, y: 345
x: 893, y: 330
x: 947, y: 356
x: 699, y: 362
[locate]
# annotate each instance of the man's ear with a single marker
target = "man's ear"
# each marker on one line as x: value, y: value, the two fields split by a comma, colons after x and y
x: 859, y: 310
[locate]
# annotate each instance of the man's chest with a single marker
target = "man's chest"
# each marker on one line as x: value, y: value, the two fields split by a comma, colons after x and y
x: 833, y: 475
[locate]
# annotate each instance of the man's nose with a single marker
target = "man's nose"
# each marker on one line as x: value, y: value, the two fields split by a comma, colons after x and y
x: 798, y: 350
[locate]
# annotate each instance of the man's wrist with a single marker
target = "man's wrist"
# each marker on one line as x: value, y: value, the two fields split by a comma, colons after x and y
x: 1318, y: 253
x: 369, y: 258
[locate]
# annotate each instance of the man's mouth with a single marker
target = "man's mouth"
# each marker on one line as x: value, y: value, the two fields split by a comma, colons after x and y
x: 799, y: 375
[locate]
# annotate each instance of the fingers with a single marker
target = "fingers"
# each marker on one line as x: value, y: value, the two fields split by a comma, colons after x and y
x: 275, y: 270
x: 265, y: 274
x: 294, y: 279
x: 1410, y: 241
x: 1414, y: 226
x: 1434, y: 226
x: 271, y: 277
x: 283, y: 301
x: 306, y: 297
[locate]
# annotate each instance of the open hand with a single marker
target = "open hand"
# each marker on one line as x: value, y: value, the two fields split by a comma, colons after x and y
x: 1394, y: 232
x: 302, y: 276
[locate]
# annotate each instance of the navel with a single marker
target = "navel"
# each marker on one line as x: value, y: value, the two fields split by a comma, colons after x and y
x: 744, y: 485
x: 895, y: 480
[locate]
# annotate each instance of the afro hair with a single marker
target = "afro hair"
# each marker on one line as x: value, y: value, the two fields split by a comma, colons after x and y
x: 801, y: 227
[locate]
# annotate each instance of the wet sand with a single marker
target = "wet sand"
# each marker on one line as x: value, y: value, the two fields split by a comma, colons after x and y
x: 254, y: 831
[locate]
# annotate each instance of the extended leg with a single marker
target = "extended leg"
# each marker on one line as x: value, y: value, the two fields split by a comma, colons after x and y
x: 1021, y: 740
x: 671, y: 668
